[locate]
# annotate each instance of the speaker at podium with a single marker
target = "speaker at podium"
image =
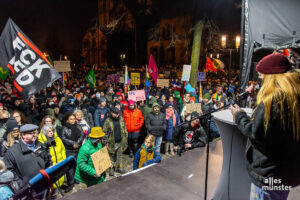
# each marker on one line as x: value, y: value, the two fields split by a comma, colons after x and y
x: 234, y: 183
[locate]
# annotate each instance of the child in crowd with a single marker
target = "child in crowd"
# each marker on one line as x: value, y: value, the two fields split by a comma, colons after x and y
x: 147, y: 154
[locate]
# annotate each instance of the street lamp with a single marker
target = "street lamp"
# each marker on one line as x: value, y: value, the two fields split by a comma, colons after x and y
x: 237, y: 45
x: 122, y: 56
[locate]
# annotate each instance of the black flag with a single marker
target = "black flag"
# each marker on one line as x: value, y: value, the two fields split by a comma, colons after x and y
x: 30, y: 68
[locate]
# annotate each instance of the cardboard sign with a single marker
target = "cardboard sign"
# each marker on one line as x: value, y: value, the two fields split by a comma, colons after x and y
x: 193, y: 107
x: 135, y: 78
x: 62, y: 66
x: 101, y: 160
x: 122, y: 79
x: 201, y: 76
x: 186, y: 72
x: 163, y: 83
x: 137, y: 95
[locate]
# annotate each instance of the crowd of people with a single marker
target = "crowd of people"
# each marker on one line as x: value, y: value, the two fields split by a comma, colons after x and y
x: 78, y: 120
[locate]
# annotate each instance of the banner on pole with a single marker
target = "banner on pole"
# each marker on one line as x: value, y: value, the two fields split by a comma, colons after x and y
x: 201, y: 76
x: 137, y: 95
x: 186, y: 72
x: 135, y: 78
x: 163, y: 83
x: 31, y: 70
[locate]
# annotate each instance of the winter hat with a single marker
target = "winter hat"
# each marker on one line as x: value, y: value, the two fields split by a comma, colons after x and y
x: 119, y: 94
x: 155, y: 105
x: 273, y: 64
x: 115, y: 110
x: 194, y: 115
x: 11, y: 125
x: 102, y: 99
x: 1, y: 104
x: 177, y: 94
x: 220, y: 89
x: 207, y: 96
x: 131, y: 103
x: 114, y: 96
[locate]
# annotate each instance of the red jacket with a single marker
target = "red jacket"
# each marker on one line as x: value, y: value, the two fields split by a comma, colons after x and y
x: 134, y: 120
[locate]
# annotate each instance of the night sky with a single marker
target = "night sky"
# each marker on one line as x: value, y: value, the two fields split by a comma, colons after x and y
x: 59, y: 25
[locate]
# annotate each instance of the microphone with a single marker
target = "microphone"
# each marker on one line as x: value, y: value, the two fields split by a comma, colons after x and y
x: 243, y: 96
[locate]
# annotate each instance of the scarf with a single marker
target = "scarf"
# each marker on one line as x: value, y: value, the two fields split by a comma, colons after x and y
x: 170, y: 113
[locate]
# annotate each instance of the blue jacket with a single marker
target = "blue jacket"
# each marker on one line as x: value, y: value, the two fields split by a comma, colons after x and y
x: 103, y: 112
x: 170, y: 129
x: 143, y: 154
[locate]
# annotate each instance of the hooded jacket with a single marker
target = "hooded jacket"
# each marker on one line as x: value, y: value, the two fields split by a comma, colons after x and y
x: 85, y: 170
x: 148, y: 108
x: 57, y: 152
x: 134, y: 120
x: 170, y: 128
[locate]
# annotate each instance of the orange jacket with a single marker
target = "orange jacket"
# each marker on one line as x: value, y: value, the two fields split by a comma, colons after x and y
x: 134, y: 120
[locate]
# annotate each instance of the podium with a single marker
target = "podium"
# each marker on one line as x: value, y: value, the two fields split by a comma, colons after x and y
x: 234, y: 183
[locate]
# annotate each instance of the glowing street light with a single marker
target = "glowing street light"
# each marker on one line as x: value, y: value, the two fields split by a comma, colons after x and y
x: 122, y: 56
x: 237, y: 42
x: 223, y: 41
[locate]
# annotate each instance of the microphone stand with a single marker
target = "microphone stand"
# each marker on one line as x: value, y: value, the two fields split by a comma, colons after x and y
x: 241, y: 97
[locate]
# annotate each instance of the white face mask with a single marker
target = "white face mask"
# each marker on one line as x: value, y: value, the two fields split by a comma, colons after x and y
x: 98, y: 95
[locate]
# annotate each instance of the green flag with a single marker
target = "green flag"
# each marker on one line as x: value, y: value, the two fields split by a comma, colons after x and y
x: 3, y: 73
x: 90, y: 78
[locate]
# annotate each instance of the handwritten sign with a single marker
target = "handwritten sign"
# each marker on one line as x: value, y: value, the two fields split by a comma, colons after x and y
x: 186, y: 72
x: 163, y: 83
x: 201, y: 76
x: 101, y: 160
x: 137, y: 95
x: 193, y: 107
x: 135, y: 78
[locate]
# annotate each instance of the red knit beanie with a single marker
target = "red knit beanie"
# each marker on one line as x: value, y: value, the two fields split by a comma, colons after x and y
x: 273, y: 64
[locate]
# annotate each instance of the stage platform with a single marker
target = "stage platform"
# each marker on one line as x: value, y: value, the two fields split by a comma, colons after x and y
x: 176, y: 178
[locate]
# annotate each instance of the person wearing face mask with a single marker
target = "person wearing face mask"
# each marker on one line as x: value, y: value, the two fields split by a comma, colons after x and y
x: 134, y: 121
x: 85, y: 171
x: 117, y: 134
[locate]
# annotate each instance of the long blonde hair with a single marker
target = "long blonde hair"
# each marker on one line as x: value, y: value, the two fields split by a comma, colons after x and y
x: 11, y: 140
x: 283, y: 91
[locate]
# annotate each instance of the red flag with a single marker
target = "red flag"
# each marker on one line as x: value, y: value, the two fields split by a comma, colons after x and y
x: 209, y: 65
x: 152, y: 69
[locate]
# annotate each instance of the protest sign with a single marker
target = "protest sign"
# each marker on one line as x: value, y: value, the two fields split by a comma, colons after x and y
x: 186, y: 72
x: 163, y: 83
x: 62, y: 66
x: 137, y: 95
x: 30, y: 68
x: 121, y: 79
x: 113, y: 78
x: 161, y: 76
x: 201, y: 76
x: 193, y: 107
x: 135, y: 78
x: 101, y: 160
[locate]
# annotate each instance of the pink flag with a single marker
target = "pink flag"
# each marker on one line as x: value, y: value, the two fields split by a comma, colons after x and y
x: 152, y: 68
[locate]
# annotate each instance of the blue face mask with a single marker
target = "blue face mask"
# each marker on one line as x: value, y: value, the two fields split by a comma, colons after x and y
x: 98, y: 95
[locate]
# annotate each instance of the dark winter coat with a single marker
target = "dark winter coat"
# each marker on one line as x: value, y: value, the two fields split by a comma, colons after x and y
x: 24, y: 163
x: 156, y: 124
x: 272, y: 154
x: 198, y: 139
x: 100, y: 116
x: 67, y: 138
